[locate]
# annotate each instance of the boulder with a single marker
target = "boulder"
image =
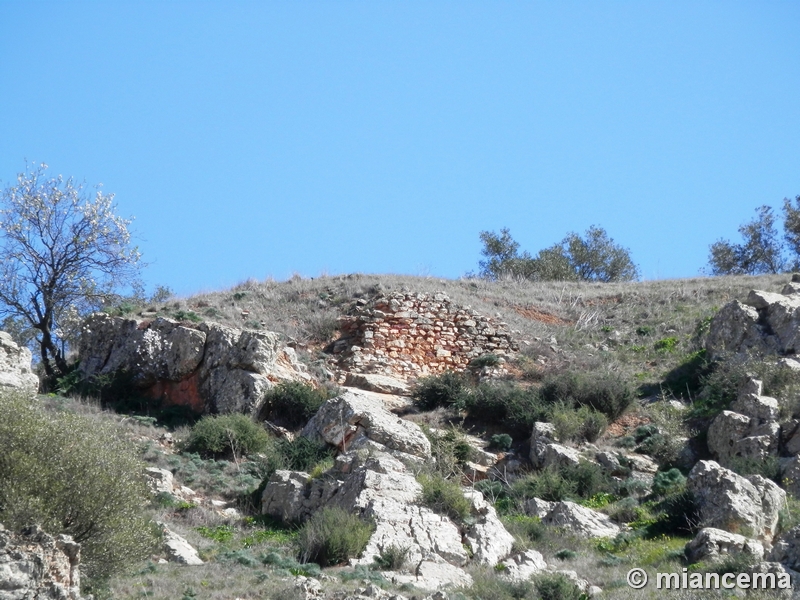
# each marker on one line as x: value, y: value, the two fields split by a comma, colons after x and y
x: 523, y: 565
x: 209, y: 367
x: 583, y: 522
x: 160, y: 481
x: 556, y: 455
x: 536, y: 507
x: 352, y: 418
x: 37, y: 566
x: 177, y: 549
x: 745, y: 505
x: 432, y: 574
x: 542, y: 435
x: 713, y: 544
x: 786, y: 549
x: 486, y: 537
x: 733, y: 435
x: 757, y: 407
x: 15, y: 366
x: 790, y: 475
x: 377, y: 383
x: 735, y: 328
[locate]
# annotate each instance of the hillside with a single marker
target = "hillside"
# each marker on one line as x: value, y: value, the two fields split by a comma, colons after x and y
x: 581, y: 440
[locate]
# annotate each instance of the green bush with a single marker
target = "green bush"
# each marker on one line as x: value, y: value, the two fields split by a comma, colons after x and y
x: 292, y: 403
x: 572, y: 482
x: 332, y: 536
x: 577, y: 424
x: 223, y: 435
x: 74, y: 475
x: 446, y: 389
x: 556, y: 587
x: 604, y: 392
x: 514, y: 407
x: 392, y: 558
x: 444, y: 496
x: 302, y: 453
x: 501, y: 441
x: 666, y: 482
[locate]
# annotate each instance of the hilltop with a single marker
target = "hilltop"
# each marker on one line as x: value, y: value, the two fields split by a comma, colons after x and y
x: 539, y: 439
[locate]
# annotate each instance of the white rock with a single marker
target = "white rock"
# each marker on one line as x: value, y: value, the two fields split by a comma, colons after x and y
x: 581, y: 521
x: 713, y: 544
x: 745, y: 505
x: 177, y: 549
x: 523, y: 566
x: 159, y: 480
x: 487, y: 538
x: 15, y: 366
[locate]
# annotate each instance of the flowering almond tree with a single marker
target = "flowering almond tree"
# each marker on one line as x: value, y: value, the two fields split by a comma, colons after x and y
x: 63, y: 252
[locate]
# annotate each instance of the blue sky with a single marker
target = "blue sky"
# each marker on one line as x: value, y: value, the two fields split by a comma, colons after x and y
x: 256, y: 139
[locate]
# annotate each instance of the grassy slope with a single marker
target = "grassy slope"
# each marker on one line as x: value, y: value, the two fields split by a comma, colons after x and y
x: 639, y: 330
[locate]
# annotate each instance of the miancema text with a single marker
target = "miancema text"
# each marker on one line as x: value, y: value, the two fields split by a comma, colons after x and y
x: 728, y: 581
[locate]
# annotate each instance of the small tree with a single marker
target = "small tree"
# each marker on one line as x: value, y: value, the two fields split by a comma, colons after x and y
x: 593, y: 257
x: 62, y: 254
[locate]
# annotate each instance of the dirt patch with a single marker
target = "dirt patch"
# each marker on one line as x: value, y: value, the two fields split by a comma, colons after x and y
x: 534, y: 314
x: 625, y: 424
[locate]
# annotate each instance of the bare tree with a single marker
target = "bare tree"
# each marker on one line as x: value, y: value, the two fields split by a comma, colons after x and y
x: 63, y: 252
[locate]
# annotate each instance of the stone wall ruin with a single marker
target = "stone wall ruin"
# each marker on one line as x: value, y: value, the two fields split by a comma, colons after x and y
x: 415, y: 334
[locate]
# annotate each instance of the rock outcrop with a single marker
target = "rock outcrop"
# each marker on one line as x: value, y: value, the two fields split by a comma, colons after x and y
x: 748, y: 505
x: 210, y: 367
x: 371, y: 478
x: 15, y: 366
x: 411, y: 335
x: 583, y: 522
x: 35, y: 565
x: 749, y: 430
x: 714, y: 544
x: 177, y: 549
x: 765, y: 323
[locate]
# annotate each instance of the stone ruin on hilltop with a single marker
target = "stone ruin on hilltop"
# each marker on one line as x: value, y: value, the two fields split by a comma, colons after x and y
x: 411, y: 335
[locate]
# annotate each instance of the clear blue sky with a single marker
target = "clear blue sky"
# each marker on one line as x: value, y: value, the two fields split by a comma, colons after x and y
x: 255, y: 139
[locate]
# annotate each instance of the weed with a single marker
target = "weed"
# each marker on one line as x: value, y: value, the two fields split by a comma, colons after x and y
x: 333, y: 535
x: 444, y: 496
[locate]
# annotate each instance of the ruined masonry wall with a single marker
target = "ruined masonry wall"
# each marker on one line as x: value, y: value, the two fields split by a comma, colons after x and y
x: 417, y: 334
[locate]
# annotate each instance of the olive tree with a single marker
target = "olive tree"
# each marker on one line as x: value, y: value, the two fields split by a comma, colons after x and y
x: 63, y: 252
x: 762, y: 250
x: 591, y: 257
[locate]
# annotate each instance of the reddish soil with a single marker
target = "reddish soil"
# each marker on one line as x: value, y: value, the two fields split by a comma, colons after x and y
x: 181, y: 393
x: 534, y: 314
x: 625, y: 424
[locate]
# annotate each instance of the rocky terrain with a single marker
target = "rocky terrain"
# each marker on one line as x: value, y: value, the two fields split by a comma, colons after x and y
x: 690, y: 456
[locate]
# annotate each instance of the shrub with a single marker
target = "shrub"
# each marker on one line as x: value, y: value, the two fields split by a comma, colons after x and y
x: 392, y: 558
x: 525, y: 529
x: 666, y: 482
x: 514, y: 407
x: 77, y: 476
x: 332, y: 536
x: 579, y: 424
x: 302, y: 454
x: 556, y: 587
x: 548, y: 484
x: 604, y: 392
x: 222, y: 435
x: 292, y: 403
x: 487, y: 360
x: 444, y: 496
x: 446, y: 389
x: 501, y: 441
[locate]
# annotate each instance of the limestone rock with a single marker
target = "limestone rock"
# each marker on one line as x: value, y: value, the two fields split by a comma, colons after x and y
x: 377, y: 383
x: 349, y: 419
x: 786, y: 549
x: 160, y: 481
x: 735, y: 328
x: 487, y: 538
x: 713, y: 544
x: 755, y: 406
x: 177, y: 549
x: 536, y: 507
x: 15, y: 366
x: 209, y: 367
x: 732, y: 435
x: 581, y: 521
x: 790, y: 475
x: 432, y: 574
x: 523, y: 566
x: 745, y: 505
x: 556, y: 455
x: 542, y: 435
x: 37, y: 566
